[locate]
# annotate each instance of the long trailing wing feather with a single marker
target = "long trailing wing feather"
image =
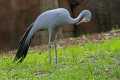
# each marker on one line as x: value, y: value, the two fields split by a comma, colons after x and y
x: 23, y: 46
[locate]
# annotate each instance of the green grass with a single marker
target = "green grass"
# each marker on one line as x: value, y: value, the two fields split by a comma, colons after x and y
x: 89, y: 61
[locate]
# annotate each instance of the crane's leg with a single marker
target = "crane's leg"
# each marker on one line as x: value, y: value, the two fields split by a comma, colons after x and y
x: 52, y: 43
x: 62, y: 47
x: 55, y: 50
x: 60, y: 37
x: 49, y: 46
x: 49, y: 53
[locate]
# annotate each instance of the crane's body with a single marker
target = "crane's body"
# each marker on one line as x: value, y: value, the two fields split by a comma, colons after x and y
x: 51, y: 20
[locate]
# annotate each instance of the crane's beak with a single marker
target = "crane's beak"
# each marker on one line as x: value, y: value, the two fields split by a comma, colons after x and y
x: 84, y: 20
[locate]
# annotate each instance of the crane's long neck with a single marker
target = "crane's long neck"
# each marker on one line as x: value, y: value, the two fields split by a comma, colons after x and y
x: 75, y: 20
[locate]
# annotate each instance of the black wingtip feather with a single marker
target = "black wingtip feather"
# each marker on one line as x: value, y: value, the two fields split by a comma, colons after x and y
x: 23, y: 47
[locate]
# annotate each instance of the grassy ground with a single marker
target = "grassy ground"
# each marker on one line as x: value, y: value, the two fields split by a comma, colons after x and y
x: 89, y: 61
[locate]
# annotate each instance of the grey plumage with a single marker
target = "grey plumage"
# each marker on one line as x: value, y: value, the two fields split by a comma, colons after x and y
x: 51, y: 20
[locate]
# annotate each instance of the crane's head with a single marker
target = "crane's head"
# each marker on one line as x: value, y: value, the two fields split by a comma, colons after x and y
x: 85, y: 16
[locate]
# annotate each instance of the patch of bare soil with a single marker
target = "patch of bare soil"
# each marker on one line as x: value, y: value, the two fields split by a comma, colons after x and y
x: 95, y: 37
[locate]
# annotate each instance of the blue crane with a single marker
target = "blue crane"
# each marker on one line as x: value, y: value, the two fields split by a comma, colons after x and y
x: 51, y: 20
